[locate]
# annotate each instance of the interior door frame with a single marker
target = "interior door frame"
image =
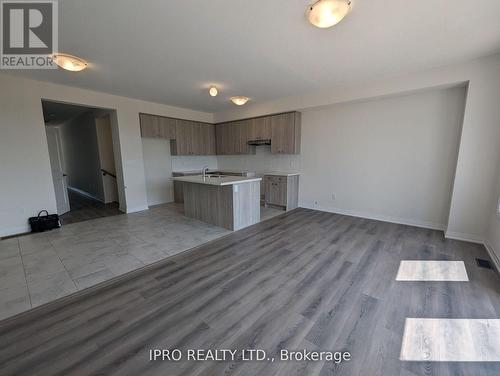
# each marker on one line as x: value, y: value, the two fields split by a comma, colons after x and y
x: 58, y: 144
x: 116, y: 144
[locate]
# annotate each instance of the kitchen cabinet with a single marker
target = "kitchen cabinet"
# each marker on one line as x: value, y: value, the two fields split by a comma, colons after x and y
x: 166, y: 127
x: 285, y: 133
x: 260, y: 128
x: 193, y: 138
x: 149, y: 126
x: 232, y: 138
x: 184, y: 144
x: 186, y: 137
x: 282, y: 191
x: 243, y: 131
x: 208, y: 139
x: 153, y: 126
x: 283, y: 130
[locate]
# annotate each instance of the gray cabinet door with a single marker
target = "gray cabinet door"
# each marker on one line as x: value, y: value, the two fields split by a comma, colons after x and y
x: 183, y: 138
x: 166, y: 127
x: 275, y: 188
x: 284, y: 134
x: 153, y: 126
x: 260, y: 128
x: 149, y: 126
x: 207, y: 139
x: 223, y: 138
x: 243, y: 132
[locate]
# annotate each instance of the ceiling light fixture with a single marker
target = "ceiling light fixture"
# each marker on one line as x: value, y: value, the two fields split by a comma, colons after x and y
x: 213, y: 91
x: 70, y: 62
x: 326, y: 13
x: 239, y: 100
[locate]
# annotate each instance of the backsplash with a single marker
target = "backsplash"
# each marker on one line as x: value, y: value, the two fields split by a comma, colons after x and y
x: 188, y: 163
x: 262, y: 161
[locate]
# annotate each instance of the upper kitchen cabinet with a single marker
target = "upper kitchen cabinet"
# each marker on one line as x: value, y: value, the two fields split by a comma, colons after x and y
x: 285, y: 133
x: 186, y: 137
x: 260, y: 128
x: 207, y: 136
x: 243, y: 133
x: 193, y: 138
x: 283, y: 130
x: 153, y: 126
x: 232, y: 138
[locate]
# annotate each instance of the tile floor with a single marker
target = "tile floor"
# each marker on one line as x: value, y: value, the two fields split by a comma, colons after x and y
x: 39, y: 268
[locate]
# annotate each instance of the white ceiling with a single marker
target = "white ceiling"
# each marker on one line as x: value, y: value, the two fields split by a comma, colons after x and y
x: 170, y: 51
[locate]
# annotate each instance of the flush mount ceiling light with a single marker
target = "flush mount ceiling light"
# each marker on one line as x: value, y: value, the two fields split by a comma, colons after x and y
x: 213, y: 91
x: 326, y: 13
x: 239, y: 100
x: 70, y: 62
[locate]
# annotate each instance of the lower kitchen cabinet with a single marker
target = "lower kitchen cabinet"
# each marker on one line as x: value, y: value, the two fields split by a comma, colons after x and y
x: 282, y: 191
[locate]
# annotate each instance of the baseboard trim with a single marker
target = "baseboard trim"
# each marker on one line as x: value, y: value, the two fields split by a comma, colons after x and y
x: 86, y: 194
x: 13, y: 231
x: 136, y: 209
x: 376, y: 217
x: 464, y: 237
x: 491, y: 252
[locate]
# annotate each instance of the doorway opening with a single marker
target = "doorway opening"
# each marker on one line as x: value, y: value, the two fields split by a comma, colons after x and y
x: 81, y: 143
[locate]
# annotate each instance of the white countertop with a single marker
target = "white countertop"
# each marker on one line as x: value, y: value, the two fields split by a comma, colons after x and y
x: 229, y: 172
x: 224, y: 180
x: 277, y: 173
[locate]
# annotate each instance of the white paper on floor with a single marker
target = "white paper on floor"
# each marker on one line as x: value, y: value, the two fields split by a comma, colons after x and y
x: 418, y: 270
x: 451, y: 340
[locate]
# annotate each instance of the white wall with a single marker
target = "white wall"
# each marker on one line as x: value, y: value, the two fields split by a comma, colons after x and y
x: 26, y: 185
x: 391, y: 158
x: 493, y: 235
x: 81, y: 155
x: 479, y: 149
x: 158, y: 170
x: 104, y: 133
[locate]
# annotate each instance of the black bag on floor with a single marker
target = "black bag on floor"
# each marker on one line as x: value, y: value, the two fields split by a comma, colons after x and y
x: 45, y: 222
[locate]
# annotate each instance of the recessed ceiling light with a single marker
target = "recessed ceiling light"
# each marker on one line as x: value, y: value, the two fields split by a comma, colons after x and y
x: 70, y: 62
x: 213, y: 91
x: 326, y: 13
x: 239, y: 100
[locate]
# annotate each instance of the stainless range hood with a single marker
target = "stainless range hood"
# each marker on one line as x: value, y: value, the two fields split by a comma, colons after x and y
x: 259, y: 142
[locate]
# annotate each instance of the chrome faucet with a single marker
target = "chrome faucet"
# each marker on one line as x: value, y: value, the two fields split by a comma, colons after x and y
x: 204, y: 172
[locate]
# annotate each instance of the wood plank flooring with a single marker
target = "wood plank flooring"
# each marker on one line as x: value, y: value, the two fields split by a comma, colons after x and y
x: 306, y: 279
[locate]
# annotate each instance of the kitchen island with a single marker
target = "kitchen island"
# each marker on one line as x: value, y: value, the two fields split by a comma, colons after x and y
x: 232, y: 202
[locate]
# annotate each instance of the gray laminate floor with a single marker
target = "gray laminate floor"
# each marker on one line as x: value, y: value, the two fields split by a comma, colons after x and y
x: 303, y: 280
